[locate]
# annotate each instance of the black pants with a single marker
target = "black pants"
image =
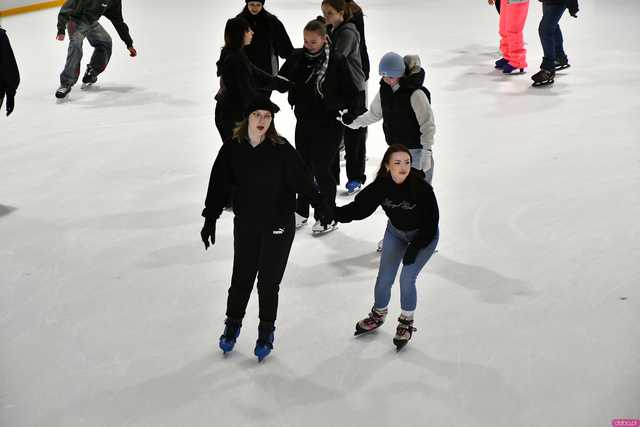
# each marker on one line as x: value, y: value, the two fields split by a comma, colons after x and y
x: 317, y: 142
x: 226, y: 120
x: 355, y: 147
x: 263, y: 254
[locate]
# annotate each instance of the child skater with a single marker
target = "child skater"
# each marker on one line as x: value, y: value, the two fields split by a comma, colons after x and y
x: 265, y: 173
x: 410, y: 238
x: 555, y: 57
x: 513, y: 15
x: 80, y: 19
x: 270, y: 38
x: 346, y: 30
x: 322, y: 85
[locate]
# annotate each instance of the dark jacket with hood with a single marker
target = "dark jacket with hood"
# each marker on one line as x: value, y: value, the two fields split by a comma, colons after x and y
x: 400, y: 123
x: 270, y: 40
x: 338, y: 89
x: 346, y: 40
x: 409, y: 206
x: 240, y: 80
x: 264, y: 180
x: 358, y: 20
x: 9, y: 74
x: 89, y: 11
x: 572, y: 5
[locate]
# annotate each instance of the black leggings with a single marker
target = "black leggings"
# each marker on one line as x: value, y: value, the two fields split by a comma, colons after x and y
x: 261, y: 253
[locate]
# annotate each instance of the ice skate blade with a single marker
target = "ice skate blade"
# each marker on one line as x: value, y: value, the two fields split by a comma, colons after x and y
x: 400, y: 344
x: 86, y: 86
x: 321, y: 232
x: 543, y: 84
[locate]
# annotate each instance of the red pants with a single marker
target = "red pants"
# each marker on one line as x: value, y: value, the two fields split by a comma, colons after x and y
x: 513, y: 15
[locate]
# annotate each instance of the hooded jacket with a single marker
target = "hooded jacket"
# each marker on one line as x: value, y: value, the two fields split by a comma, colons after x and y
x: 346, y: 40
x: 89, y: 11
x: 270, y: 40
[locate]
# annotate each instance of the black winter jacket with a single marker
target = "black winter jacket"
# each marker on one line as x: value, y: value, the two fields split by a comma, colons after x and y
x: 240, y: 80
x: 264, y: 180
x: 270, y: 40
x: 9, y: 74
x: 572, y: 5
x: 358, y: 20
x: 89, y: 11
x: 411, y: 205
x: 338, y: 88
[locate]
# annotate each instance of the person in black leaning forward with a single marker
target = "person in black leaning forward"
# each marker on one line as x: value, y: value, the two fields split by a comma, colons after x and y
x: 9, y: 74
x: 240, y: 80
x: 270, y: 38
x: 265, y: 173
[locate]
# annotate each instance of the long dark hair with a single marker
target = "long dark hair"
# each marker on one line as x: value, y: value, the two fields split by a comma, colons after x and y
x: 347, y: 7
x: 234, y: 33
x: 241, y: 131
x: 394, y: 148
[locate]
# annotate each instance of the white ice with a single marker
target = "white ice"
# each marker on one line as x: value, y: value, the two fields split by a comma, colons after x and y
x: 110, y: 309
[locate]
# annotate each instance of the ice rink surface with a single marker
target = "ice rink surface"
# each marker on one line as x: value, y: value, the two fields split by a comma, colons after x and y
x: 110, y: 309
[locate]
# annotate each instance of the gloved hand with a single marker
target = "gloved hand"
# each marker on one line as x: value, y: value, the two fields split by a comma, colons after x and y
x: 282, y: 84
x: 326, y: 214
x: 132, y: 51
x: 573, y: 8
x: 208, y: 232
x: 10, y: 100
x: 348, y: 117
x: 410, y: 254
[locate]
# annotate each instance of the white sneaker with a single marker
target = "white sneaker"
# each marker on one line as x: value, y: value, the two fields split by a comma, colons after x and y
x: 318, y: 228
x: 300, y: 221
x: 379, y: 248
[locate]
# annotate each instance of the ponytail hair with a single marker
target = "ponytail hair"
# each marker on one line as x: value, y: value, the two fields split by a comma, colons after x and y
x: 317, y: 26
x: 347, y: 7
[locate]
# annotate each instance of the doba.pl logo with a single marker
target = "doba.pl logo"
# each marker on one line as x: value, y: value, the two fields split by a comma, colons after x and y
x: 626, y: 423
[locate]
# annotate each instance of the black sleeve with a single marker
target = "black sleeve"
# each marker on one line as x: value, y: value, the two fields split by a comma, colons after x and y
x: 9, y: 74
x: 66, y: 10
x: 282, y: 42
x: 431, y: 218
x: 220, y: 183
x: 349, y: 92
x: 365, y: 203
x: 236, y: 77
x: 114, y: 14
x: 299, y: 179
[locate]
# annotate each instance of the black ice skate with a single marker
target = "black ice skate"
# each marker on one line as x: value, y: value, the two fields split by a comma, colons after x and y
x: 90, y: 77
x: 373, y: 321
x: 543, y: 78
x: 63, y: 91
x: 403, y: 332
x: 561, y: 64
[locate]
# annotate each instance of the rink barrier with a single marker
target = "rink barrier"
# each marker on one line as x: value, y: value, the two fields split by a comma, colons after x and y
x: 31, y: 8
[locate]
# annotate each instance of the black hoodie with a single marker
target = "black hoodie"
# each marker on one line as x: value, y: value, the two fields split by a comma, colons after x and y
x: 409, y: 206
x: 270, y: 40
x: 9, y: 74
x: 89, y: 11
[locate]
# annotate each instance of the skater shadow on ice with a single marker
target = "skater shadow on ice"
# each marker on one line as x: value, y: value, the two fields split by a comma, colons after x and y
x: 110, y: 95
x: 158, y: 398
x: 490, y: 286
x: 6, y: 210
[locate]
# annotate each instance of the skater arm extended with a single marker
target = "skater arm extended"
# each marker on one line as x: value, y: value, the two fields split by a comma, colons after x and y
x: 220, y: 183
x: 114, y: 14
x: 370, y: 117
x: 283, y: 45
x: 68, y: 8
x: 364, y: 204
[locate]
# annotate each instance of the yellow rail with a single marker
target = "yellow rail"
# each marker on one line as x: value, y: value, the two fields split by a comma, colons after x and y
x: 31, y: 7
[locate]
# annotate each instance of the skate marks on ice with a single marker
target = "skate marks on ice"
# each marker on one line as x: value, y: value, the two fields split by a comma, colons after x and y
x: 6, y: 210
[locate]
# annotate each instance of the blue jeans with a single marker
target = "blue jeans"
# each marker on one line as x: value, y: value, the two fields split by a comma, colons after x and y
x: 551, y: 35
x: 393, y: 249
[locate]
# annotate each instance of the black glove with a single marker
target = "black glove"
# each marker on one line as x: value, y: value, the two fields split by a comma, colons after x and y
x: 10, y: 100
x: 325, y: 214
x: 411, y: 254
x: 573, y: 8
x: 208, y: 232
x: 348, y: 117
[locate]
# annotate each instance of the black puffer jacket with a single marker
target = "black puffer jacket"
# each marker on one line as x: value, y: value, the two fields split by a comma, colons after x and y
x: 270, y: 40
x: 89, y: 11
x: 9, y: 74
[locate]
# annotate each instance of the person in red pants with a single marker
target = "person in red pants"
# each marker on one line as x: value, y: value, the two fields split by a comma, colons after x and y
x: 513, y: 15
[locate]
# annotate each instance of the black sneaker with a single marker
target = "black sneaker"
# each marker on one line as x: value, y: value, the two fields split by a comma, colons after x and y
x: 63, y: 91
